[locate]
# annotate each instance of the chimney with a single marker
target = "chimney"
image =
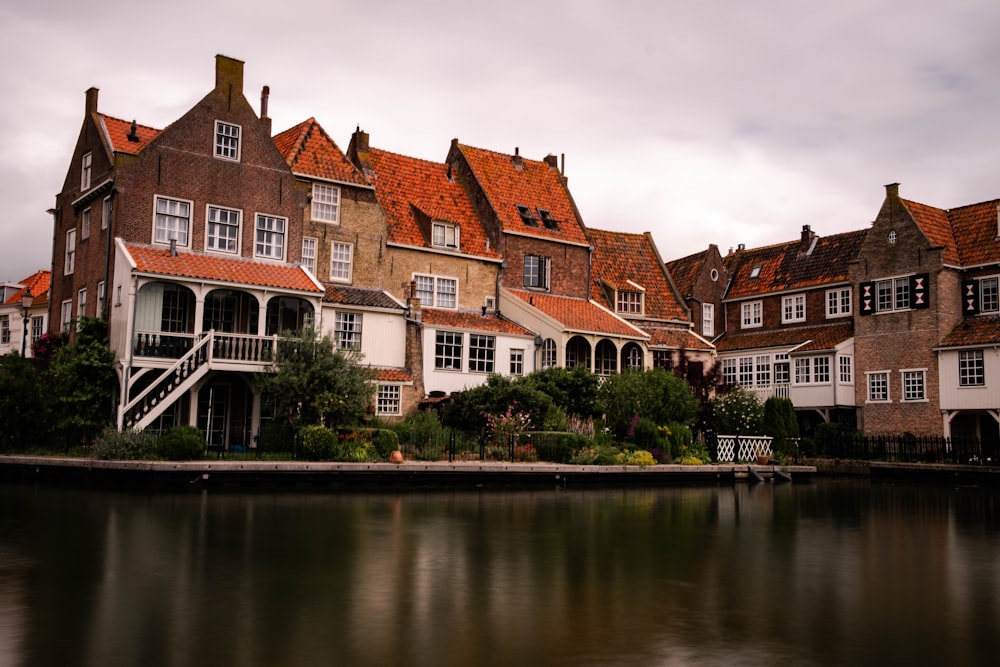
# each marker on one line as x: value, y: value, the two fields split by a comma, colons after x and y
x: 133, y: 134
x: 173, y: 247
x: 229, y: 73
x: 516, y: 158
x: 357, y: 152
x: 551, y: 160
x: 265, y: 120
x: 91, y: 103
x: 808, y: 240
x: 892, y: 190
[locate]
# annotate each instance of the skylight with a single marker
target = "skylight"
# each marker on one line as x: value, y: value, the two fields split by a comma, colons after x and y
x: 755, y: 272
x: 526, y: 215
x: 547, y: 219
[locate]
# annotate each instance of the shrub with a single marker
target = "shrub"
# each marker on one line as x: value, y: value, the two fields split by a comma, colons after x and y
x: 384, y: 440
x: 780, y: 423
x: 181, y: 443
x: 737, y: 412
x: 525, y: 453
x: 276, y: 435
x: 638, y: 457
x: 354, y: 447
x: 558, y: 447
x: 602, y: 455
x: 112, y: 444
x: 318, y: 443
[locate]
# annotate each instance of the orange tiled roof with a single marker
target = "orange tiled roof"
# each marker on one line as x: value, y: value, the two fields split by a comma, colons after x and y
x: 579, y: 314
x: 936, y: 227
x: 620, y: 257
x: 685, y: 271
x: 407, y: 187
x: 977, y: 330
x: 472, y: 321
x: 535, y: 185
x: 393, y: 375
x: 677, y: 339
x: 969, y: 235
x: 784, y: 266
x: 816, y: 338
x: 118, y: 130
x: 309, y: 150
x: 38, y: 283
x: 158, y: 260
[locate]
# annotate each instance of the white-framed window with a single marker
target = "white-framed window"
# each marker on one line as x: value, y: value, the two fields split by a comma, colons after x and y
x: 106, y: 213
x: 436, y: 291
x: 629, y: 303
x: 746, y: 371
x: 270, y: 238
x: 838, y: 302
x: 845, y: 369
x: 971, y: 369
x: 388, y: 399
x: 102, y: 297
x: 782, y: 368
x: 66, y: 314
x: 448, y: 350
x: 445, y: 235
x: 81, y: 302
x: 548, y: 353
x: 172, y: 221
x: 536, y: 272
x: 481, y: 349
x: 914, y: 388
x: 86, y: 170
x: 707, y: 319
x: 4, y: 329
x: 878, y: 386
x: 341, y: 261
x: 751, y: 313
x: 812, y: 370
x: 517, y: 361
x: 755, y: 272
x: 763, y: 370
x: 227, y: 141
x: 69, y: 262
x: 803, y: 371
x: 222, y: 233
x: 325, y: 202
x: 729, y: 371
x: 37, y: 327
x: 85, y: 224
x: 892, y: 294
x: 793, y: 308
x: 309, y: 254
x: 989, y: 296
x: 347, y: 330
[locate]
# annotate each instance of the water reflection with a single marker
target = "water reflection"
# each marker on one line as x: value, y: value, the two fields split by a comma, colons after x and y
x: 827, y: 573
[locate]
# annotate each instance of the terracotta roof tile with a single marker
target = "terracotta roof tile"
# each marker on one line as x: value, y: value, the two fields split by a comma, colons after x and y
x: 579, y: 314
x: 309, y: 150
x: 977, y: 330
x: 936, y: 227
x: 409, y: 188
x: 784, y: 266
x: 393, y: 375
x: 158, y: 260
x: 620, y: 257
x: 472, y: 321
x: 535, y: 185
x: 677, y: 339
x: 977, y: 232
x: 38, y: 283
x: 685, y: 270
x: 823, y: 337
x: 118, y: 130
x: 360, y: 296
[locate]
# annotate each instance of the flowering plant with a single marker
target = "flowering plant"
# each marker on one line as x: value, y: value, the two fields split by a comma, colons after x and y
x: 511, y: 423
x: 46, y: 345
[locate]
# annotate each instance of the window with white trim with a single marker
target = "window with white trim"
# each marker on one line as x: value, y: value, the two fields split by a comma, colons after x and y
x: 548, y: 353
x: 793, y: 308
x: 971, y: 369
x: 892, y: 294
x: 347, y: 330
x: 172, y: 221
x: 66, y: 315
x: 270, y: 237
x: 914, y: 385
x: 448, y: 350
x: 222, y: 233
x: 536, y: 271
x: 878, y: 386
x: 341, y: 261
x: 69, y: 262
x: 436, y: 291
x: 37, y: 327
x: 729, y: 371
x: 746, y: 371
x: 309, y: 254
x: 846, y: 369
x: 989, y: 296
x: 4, y: 329
x: 85, y: 224
x: 102, y: 297
x: 812, y: 370
x: 751, y: 314
x: 325, y: 203
x: 707, y: 319
x: 516, y: 361
x: 481, y: 350
x: 106, y: 213
x: 227, y: 141
x: 444, y: 235
x: 86, y: 167
x: 388, y: 399
x: 838, y: 302
x: 782, y: 368
x: 763, y: 364
x: 629, y: 303
x: 81, y: 303
x: 803, y: 371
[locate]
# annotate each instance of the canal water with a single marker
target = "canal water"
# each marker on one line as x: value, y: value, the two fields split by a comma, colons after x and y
x: 827, y: 573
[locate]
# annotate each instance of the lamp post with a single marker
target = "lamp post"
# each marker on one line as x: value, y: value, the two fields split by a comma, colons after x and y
x: 26, y: 300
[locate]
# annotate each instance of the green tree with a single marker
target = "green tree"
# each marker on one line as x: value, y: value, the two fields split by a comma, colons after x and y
x: 25, y: 410
x: 780, y: 423
x: 572, y: 389
x: 313, y: 383
x: 82, y: 383
x: 656, y: 394
x: 468, y: 409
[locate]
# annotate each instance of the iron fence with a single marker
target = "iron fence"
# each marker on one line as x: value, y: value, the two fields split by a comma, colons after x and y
x: 910, y: 449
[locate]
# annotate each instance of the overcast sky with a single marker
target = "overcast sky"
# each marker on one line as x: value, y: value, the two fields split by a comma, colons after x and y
x: 715, y: 121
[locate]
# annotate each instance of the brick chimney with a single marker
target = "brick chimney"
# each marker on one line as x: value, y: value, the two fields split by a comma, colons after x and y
x: 357, y: 152
x: 892, y: 190
x: 229, y: 73
x: 90, y: 106
x: 808, y: 239
x: 516, y: 158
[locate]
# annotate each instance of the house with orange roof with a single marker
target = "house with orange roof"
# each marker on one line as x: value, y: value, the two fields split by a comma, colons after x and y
x: 701, y: 278
x: 188, y: 241
x: 630, y: 279
x: 788, y: 311
x: 927, y: 334
x: 24, y: 309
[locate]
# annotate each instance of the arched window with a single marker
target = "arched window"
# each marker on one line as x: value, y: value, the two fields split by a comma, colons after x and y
x: 288, y: 313
x: 548, y: 353
x: 578, y: 352
x: 230, y: 311
x: 632, y: 357
x: 606, y: 358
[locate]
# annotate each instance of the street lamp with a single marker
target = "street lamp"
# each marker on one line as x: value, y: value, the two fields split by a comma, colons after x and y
x: 26, y: 300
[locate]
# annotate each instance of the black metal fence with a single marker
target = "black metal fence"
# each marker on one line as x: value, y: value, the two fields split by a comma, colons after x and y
x: 910, y: 449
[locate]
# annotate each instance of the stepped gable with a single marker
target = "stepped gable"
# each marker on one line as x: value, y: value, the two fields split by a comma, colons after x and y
x: 787, y: 266
x: 159, y: 260
x: 410, y: 189
x: 579, y: 315
x: 310, y: 151
x: 627, y: 262
x: 509, y: 181
x: 439, y: 317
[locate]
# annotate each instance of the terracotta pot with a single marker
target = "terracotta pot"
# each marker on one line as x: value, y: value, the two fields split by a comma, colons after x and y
x: 396, y: 457
x: 762, y: 459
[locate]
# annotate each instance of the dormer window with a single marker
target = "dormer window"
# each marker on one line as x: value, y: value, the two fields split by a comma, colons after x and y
x: 755, y: 272
x: 629, y: 303
x: 547, y: 219
x: 227, y: 141
x: 445, y: 235
x: 527, y: 216
x: 85, y: 171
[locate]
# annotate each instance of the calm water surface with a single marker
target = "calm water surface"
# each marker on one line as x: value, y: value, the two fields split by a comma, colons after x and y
x: 828, y: 573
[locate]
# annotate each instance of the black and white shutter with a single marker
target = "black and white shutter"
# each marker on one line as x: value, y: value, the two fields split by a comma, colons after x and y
x: 970, y: 297
x: 920, y: 293
x: 866, y: 298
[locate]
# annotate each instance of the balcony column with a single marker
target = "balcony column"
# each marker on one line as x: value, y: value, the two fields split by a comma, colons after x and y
x: 199, y: 311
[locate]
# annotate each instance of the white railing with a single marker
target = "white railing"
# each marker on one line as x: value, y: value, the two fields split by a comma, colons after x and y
x: 766, y: 391
x: 733, y: 448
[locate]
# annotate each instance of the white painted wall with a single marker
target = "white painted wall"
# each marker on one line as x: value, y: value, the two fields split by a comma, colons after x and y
x: 954, y: 397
